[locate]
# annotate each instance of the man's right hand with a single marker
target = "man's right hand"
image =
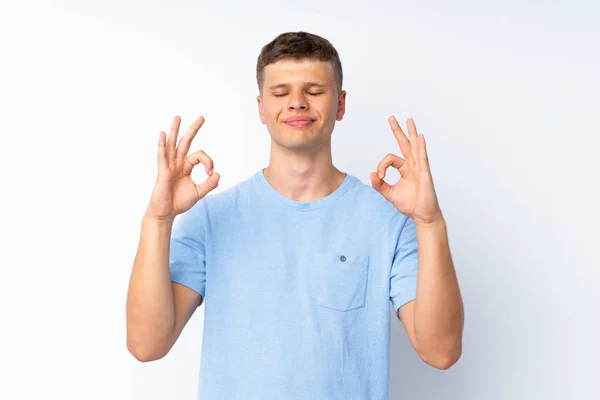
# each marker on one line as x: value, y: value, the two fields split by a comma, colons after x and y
x: 175, y: 192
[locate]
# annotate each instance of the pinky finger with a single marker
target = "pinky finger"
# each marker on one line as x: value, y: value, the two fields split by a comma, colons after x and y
x: 422, y: 149
x: 163, y: 162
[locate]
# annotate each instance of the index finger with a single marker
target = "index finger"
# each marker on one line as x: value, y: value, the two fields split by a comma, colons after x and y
x: 400, y: 137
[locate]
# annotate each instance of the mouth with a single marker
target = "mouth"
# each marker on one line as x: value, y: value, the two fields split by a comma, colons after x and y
x: 299, y: 123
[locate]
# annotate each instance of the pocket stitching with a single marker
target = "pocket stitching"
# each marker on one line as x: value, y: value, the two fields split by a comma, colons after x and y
x: 325, y: 260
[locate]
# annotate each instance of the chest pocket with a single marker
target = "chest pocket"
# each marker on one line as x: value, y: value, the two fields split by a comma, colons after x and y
x: 341, y: 281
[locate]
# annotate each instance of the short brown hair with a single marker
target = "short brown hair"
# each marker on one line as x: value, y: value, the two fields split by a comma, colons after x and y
x: 299, y: 46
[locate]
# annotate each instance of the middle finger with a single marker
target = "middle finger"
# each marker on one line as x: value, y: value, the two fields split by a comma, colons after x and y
x: 186, y: 140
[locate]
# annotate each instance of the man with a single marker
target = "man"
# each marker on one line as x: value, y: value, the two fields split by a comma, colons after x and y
x: 296, y: 265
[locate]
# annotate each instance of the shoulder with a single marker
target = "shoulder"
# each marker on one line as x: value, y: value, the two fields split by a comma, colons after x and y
x: 365, y: 196
x: 370, y: 202
x: 216, y: 208
x: 230, y: 198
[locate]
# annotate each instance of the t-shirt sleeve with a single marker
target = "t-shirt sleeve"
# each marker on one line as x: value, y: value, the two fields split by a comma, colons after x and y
x: 187, y: 255
x: 403, y: 276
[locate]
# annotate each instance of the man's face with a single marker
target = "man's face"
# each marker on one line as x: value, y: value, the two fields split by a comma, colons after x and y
x: 300, y: 103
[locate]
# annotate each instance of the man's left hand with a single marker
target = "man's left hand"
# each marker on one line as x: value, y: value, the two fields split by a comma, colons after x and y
x: 413, y: 195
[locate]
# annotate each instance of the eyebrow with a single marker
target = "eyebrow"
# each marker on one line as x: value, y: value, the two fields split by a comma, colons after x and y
x: 280, y: 85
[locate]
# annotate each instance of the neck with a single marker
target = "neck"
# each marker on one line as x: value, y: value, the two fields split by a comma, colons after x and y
x: 303, y: 177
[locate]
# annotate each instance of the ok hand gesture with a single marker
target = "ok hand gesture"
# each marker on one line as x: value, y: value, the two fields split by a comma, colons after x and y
x: 413, y: 195
x: 174, y: 191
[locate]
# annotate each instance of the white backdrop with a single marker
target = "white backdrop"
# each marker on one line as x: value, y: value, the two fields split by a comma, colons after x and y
x: 507, y: 96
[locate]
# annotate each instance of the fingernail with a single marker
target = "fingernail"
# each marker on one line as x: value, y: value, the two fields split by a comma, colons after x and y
x: 380, y: 175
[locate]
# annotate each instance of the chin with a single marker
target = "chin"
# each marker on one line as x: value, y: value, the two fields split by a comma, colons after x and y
x: 299, y: 142
x: 291, y: 138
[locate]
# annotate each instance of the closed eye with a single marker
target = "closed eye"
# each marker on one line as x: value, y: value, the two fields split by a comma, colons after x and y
x: 284, y: 94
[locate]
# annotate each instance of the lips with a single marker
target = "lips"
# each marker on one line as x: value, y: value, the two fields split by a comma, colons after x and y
x: 299, y: 122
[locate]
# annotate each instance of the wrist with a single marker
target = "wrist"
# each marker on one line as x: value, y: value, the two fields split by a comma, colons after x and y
x: 438, y: 223
x: 161, y: 223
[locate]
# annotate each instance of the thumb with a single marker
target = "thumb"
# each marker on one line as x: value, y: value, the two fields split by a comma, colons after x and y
x: 209, y: 184
x: 380, y: 185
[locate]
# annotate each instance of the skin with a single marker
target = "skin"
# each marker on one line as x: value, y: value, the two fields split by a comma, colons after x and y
x: 434, y: 321
x: 300, y: 168
x: 300, y: 165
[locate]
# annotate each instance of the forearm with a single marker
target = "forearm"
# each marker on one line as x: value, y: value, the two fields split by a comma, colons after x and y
x: 438, y: 314
x: 150, y: 306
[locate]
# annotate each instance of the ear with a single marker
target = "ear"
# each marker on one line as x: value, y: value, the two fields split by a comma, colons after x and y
x: 261, y: 110
x: 341, y: 106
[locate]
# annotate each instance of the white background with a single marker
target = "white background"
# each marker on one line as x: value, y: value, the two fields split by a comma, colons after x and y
x: 507, y: 96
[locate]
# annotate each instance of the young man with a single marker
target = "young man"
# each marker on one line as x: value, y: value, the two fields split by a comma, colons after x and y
x: 296, y: 265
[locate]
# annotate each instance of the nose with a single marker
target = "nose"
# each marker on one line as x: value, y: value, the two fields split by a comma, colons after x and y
x: 297, y: 102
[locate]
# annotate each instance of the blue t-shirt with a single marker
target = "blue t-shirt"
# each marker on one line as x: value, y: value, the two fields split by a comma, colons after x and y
x: 296, y: 294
